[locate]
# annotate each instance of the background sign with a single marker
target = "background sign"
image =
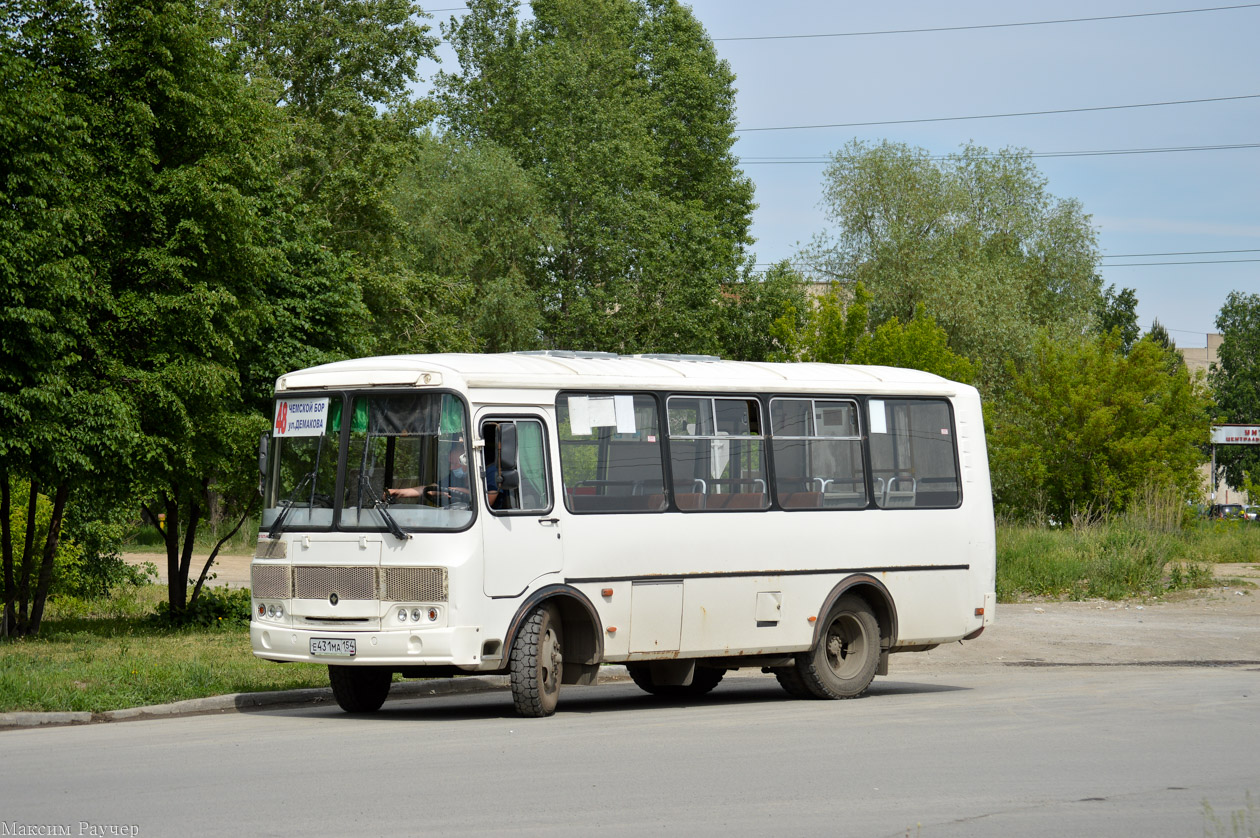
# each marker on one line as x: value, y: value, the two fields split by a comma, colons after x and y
x: 300, y: 417
x: 1236, y: 434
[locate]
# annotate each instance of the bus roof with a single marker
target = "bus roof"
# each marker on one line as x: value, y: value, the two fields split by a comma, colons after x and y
x: 561, y: 370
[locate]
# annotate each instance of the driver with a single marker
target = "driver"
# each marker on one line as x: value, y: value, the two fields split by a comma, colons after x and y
x: 454, y: 488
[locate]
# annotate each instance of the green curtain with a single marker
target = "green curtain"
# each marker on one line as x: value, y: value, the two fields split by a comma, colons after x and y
x: 529, y: 453
x: 452, y: 421
x: 358, y: 422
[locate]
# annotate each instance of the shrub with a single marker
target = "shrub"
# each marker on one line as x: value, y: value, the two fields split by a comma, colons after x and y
x: 225, y: 607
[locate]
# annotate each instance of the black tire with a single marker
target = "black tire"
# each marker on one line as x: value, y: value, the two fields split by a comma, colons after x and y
x: 792, y: 682
x: 360, y: 689
x: 702, y: 682
x: 842, y: 664
x: 537, y: 664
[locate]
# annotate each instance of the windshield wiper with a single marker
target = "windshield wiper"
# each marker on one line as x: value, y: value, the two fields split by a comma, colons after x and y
x: 382, y: 507
x: 278, y: 524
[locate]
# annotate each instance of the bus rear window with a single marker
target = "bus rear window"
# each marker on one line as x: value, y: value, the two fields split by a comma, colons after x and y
x: 912, y: 454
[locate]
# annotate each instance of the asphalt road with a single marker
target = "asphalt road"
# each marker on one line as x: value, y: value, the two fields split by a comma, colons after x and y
x: 1003, y: 750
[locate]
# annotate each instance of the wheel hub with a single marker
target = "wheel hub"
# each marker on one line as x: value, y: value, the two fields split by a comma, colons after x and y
x: 550, y: 660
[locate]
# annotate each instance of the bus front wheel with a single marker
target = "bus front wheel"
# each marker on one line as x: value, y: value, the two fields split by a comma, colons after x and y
x: 842, y: 664
x: 537, y: 663
x: 359, y: 689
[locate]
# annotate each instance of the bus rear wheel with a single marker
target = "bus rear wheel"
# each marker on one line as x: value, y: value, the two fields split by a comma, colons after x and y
x: 702, y: 681
x: 360, y: 689
x: 537, y: 664
x: 842, y: 664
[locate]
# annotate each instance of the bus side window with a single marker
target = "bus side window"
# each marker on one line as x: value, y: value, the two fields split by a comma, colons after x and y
x: 529, y: 492
x: 717, y: 454
x: 817, y: 454
x: 610, y: 453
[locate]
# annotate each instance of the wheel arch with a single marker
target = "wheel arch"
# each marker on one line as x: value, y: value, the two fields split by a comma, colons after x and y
x: 583, y: 632
x: 876, y: 595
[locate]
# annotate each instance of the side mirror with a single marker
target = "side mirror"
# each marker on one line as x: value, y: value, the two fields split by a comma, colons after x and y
x: 264, y: 449
x: 509, y: 477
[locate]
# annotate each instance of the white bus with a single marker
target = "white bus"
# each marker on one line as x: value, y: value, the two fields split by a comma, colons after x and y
x: 541, y: 514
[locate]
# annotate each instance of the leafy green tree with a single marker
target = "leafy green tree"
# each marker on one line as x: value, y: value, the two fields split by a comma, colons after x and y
x: 919, y: 344
x: 1160, y: 335
x: 219, y: 278
x: 341, y: 74
x: 623, y: 114
x: 59, y: 427
x: 837, y: 331
x: 974, y: 238
x: 475, y: 225
x: 760, y: 316
x: 1084, y: 429
x: 1118, y: 310
x: 1235, y: 379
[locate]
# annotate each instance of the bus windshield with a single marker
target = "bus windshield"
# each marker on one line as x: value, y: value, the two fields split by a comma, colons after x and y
x: 406, y: 464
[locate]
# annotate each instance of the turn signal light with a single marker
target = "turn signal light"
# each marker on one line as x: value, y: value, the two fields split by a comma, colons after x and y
x: 979, y: 612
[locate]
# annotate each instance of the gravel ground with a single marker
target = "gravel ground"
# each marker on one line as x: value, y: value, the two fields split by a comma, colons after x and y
x: 1191, y: 628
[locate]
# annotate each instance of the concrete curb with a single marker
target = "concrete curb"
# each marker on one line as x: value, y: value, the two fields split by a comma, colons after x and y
x: 246, y: 702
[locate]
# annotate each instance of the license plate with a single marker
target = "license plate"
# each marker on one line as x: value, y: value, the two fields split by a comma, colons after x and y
x: 333, y: 647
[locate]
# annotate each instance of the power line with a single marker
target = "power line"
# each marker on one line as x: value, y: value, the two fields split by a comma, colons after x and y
x: 1143, y: 255
x: 1107, y: 152
x: 1153, y: 264
x: 985, y: 25
x: 1177, y: 253
x: 1002, y: 115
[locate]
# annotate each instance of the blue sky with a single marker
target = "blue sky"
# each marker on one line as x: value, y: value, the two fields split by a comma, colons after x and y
x: 1140, y: 204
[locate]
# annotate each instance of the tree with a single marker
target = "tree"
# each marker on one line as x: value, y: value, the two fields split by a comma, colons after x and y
x: 623, y: 114
x: 340, y: 73
x: 474, y: 227
x: 59, y: 428
x: 1083, y: 429
x: 1160, y: 335
x: 974, y: 238
x: 837, y: 330
x: 217, y: 275
x: 1235, y: 379
x: 760, y: 316
x: 1118, y: 310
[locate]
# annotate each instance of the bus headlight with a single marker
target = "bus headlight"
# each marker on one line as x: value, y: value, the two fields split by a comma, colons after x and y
x: 270, y: 611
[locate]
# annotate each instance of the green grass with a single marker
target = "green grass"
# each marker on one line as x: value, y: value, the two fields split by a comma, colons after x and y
x: 1117, y: 559
x: 109, y: 654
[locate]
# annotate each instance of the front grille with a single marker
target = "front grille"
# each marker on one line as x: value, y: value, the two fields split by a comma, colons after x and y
x: 415, y: 584
x: 345, y: 582
x: 270, y: 581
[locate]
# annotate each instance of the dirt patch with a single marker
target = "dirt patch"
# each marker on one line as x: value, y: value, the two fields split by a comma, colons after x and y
x: 232, y: 571
x: 1216, y: 626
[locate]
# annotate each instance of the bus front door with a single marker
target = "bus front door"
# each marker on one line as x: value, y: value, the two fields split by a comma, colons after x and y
x: 521, y: 535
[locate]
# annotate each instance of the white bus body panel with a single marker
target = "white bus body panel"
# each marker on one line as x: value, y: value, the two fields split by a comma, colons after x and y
x: 663, y: 585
